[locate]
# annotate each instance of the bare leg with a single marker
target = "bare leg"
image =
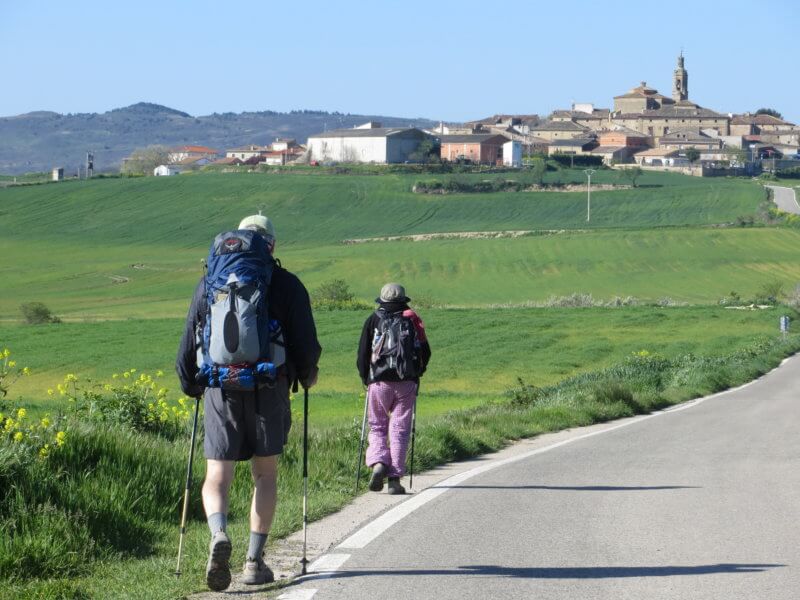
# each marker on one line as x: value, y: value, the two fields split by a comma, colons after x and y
x: 217, y: 485
x: 265, y: 492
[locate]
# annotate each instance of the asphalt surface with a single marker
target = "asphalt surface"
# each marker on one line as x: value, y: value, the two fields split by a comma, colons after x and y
x: 785, y: 199
x: 701, y: 501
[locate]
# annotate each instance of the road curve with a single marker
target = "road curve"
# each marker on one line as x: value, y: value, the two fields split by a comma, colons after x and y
x: 785, y: 198
x: 700, y: 501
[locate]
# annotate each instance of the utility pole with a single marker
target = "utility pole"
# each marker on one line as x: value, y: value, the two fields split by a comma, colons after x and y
x: 589, y: 173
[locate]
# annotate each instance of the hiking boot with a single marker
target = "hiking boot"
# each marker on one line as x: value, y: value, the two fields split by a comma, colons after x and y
x: 378, y: 474
x: 218, y: 569
x: 256, y: 572
x: 395, y: 487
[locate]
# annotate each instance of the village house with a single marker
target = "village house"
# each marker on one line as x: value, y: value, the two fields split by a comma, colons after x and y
x: 368, y: 143
x: 183, y: 152
x: 689, y: 138
x: 747, y: 124
x: 617, y: 145
x: 245, y: 153
x: 559, y: 130
x: 483, y: 148
x: 584, y: 114
x: 576, y: 146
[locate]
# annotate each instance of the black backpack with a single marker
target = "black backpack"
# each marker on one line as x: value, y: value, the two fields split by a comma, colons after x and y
x: 395, y: 347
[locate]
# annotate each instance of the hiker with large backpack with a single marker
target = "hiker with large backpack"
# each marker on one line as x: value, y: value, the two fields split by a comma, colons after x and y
x: 249, y: 337
x: 393, y: 354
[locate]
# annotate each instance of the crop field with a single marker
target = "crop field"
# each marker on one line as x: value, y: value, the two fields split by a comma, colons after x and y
x: 117, y: 260
x: 133, y: 248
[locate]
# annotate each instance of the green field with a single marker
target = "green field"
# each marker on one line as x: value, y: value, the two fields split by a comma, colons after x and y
x: 118, y: 259
x: 478, y: 354
x: 98, y: 249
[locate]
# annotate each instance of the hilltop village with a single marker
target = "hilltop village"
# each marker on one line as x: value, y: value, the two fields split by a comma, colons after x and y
x: 643, y: 128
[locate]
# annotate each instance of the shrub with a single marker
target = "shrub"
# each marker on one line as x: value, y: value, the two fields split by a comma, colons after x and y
x: 336, y: 295
x: 36, y: 313
x: 525, y: 394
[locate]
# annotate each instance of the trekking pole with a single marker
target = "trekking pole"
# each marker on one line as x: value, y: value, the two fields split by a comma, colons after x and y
x: 413, y: 437
x: 188, y: 487
x: 361, y: 444
x: 304, y: 561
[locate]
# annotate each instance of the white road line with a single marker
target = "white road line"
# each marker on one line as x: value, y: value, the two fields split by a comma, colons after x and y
x: 327, y: 563
x: 322, y: 568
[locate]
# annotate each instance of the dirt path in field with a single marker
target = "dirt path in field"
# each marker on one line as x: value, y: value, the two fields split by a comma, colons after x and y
x: 465, y: 235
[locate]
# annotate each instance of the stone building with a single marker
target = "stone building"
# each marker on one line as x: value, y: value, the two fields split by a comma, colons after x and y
x: 656, y: 115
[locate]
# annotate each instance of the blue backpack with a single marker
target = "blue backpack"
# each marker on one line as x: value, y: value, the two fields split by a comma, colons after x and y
x: 239, y: 346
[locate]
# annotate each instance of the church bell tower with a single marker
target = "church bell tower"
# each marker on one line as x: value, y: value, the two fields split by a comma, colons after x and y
x: 680, y: 82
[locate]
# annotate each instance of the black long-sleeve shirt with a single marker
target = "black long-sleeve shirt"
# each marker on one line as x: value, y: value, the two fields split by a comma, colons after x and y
x: 288, y: 302
x: 364, y: 357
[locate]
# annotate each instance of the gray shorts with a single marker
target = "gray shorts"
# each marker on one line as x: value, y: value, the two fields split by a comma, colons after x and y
x: 240, y: 425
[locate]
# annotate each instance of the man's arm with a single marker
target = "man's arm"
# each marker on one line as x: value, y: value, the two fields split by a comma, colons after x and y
x: 302, y: 344
x: 186, y: 362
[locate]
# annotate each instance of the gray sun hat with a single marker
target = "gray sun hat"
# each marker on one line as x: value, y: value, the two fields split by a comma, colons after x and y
x: 393, y: 292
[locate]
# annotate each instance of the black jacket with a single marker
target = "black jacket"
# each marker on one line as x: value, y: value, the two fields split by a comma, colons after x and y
x: 288, y: 303
x: 365, y: 345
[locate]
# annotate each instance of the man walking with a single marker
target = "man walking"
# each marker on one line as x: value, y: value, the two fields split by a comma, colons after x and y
x: 248, y: 424
x: 393, y: 353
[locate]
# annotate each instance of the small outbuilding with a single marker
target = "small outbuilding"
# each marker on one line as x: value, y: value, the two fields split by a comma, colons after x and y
x: 165, y: 170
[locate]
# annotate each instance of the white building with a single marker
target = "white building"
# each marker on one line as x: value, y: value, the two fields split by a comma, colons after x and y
x: 166, y: 170
x: 512, y: 154
x: 368, y: 143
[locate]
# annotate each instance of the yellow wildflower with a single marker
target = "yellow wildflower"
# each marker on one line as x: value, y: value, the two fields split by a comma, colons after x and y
x: 126, y: 374
x: 159, y: 373
x: 12, y: 363
x: 115, y: 376
x: 18, y: 437
x: 50, y: 392
x: 61, y: 437
x: 21, y: 413
x: 44, y: 451
x: 70, y: 377
x: 45, y: 422
x: 6, y: 352
x: 9, y: 424
x: 26, y: 371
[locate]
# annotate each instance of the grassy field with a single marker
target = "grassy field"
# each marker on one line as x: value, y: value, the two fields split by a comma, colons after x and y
x: 478, y: 354
x: 98, y: 249
x: 118, y: 259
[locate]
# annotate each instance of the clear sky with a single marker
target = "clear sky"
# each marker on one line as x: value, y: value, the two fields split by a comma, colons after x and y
x: 439, y: 59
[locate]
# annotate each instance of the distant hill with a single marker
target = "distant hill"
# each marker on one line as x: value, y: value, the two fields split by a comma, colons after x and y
x: 39, y: 141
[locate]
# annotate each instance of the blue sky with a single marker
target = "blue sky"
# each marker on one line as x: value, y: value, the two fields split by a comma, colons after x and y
x: 449, y: 60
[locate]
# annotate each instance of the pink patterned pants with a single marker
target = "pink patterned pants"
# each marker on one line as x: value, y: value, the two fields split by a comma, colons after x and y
x: 390, y: 405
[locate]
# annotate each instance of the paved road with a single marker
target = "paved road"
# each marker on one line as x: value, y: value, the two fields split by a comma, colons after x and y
x: 702, y: 502
x: 785, y: 199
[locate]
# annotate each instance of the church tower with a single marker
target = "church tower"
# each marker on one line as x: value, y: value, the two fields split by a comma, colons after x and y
x: 680, y: 82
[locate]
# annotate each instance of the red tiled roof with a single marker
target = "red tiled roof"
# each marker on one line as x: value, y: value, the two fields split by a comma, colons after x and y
x: 195, y: 149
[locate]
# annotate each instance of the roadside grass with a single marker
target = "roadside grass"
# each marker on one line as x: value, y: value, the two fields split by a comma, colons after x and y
x: 78, y: 529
